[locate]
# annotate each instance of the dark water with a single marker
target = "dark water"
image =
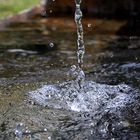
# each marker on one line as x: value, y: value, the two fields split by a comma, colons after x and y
x: 28, y: 63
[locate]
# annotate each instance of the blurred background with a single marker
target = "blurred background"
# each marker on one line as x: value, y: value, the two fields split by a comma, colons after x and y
x: 11, y: 7
x: 121, y: 10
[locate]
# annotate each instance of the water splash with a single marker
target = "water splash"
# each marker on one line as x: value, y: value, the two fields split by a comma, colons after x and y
x: 93, y: 97
x: 77, y: 76
x: 99, y: 107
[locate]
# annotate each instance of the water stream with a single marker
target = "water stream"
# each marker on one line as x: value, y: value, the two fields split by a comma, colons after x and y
x: 80, y: 41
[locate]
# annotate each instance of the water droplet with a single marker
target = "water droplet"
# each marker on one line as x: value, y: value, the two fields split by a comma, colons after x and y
x: 89, y: 25
x: 49, y: 138
x: 51, y: 45
x: 91, y: 132
x: 20, y: 128
x: 44, y: 13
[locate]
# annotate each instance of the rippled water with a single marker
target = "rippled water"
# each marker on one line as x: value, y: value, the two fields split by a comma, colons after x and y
x: 36, y: 91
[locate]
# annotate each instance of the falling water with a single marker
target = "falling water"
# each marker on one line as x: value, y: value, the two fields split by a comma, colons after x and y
x: 77, y: 72
x: 80, y: 41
